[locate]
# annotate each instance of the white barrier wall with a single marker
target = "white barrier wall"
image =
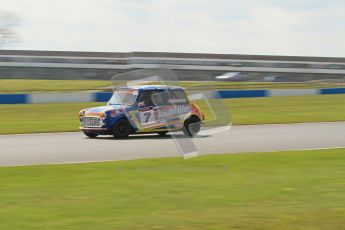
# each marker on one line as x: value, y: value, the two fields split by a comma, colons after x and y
x: 291, y: 92
x: 60, y: 97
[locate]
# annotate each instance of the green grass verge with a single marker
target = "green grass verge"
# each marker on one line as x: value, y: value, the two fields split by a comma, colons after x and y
x: 63, y: 116
x: 294, y: 109
x: 287, y: 190
x: 27, y: 118
x: 29, y: 86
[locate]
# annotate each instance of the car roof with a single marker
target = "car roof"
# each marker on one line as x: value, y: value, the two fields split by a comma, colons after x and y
x: 152, y: 87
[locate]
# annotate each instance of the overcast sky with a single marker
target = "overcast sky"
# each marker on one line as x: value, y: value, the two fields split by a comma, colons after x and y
x: 278, y: 27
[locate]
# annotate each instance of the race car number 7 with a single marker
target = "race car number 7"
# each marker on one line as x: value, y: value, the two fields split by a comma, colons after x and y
x: 147, y: 117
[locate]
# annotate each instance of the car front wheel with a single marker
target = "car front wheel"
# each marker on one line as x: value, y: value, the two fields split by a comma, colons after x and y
x: 121, y: 129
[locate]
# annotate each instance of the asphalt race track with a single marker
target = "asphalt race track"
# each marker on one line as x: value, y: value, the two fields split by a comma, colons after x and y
x: 72, y: 147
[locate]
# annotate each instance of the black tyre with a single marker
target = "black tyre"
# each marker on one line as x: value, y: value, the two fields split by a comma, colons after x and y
x: 162, y: 133
x: 191, y: 126
x: 91, y: 135
x: 121, y: 129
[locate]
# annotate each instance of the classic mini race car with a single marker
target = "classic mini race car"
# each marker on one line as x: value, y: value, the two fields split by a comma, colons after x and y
x: 143, y: 109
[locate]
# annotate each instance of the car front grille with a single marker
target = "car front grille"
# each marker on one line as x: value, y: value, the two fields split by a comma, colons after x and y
x: 92, y: 122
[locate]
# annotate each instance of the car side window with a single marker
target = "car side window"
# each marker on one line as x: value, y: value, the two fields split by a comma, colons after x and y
x: 160, y: 98
x: 146, y: 98
x: 178, y: 97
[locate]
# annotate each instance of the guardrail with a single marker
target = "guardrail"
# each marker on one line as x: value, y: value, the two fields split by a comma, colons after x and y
x: 105, y: 96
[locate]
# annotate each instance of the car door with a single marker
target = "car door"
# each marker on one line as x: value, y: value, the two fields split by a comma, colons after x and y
x: 171, y: 108
x: 147, y: 110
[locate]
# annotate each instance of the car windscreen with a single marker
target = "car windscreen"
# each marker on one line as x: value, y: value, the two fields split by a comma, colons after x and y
x: 123, y: 97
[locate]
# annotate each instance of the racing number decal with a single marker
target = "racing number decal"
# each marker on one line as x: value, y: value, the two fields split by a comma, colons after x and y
x: 147, y: 118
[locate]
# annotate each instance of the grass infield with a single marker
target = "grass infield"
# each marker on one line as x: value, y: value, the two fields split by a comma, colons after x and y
x: 30, y: 86
x: 284, y: 190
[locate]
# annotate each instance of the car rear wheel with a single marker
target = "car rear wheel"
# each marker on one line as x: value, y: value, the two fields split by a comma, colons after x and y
x: 191, y: 126
x: 90, y: 135
x: 121, y: 129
